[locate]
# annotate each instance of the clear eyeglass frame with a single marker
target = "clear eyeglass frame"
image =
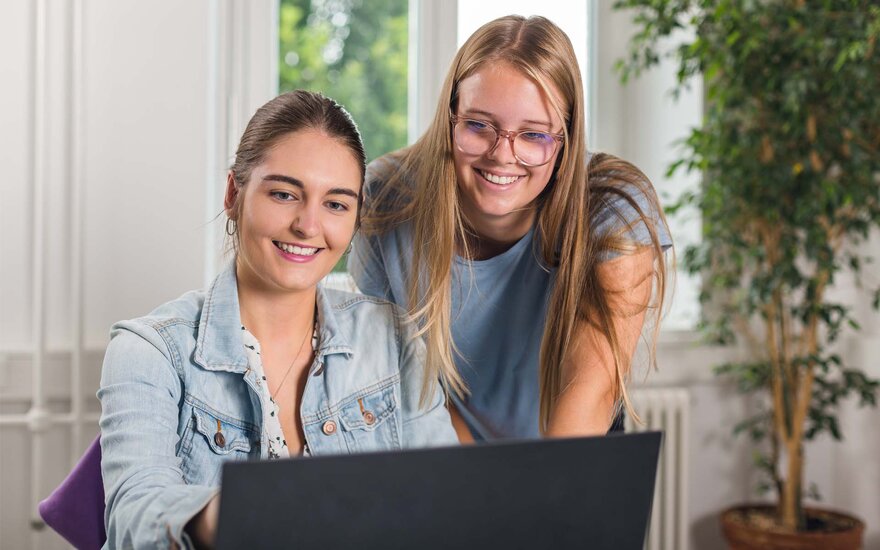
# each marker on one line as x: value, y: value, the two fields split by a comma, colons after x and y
x: 509, y: 135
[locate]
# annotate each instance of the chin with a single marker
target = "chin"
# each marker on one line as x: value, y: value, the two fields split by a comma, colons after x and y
x: 299, y: 284
x: 287, y: 280
x: 494, y: 208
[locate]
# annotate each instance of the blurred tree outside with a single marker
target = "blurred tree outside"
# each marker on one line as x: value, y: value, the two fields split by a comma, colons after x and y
x: 354, y: 51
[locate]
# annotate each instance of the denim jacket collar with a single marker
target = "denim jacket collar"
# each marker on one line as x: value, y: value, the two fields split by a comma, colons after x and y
x: 330, y: 338
x: 219, y: 344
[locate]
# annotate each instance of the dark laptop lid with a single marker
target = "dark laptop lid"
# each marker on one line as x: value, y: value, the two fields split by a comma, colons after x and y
x: 591, y: 493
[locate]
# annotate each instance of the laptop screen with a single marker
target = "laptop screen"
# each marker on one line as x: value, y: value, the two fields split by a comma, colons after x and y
x: 563, y: 493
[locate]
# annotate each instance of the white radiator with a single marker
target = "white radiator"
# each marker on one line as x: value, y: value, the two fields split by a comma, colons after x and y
x: 667, y: 410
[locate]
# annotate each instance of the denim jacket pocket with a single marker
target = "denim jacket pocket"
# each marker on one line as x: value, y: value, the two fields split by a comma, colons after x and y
x: 370, y: 422
x: 213, y: 440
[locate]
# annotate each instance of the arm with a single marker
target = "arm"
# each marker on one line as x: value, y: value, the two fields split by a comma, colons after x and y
x: 148, y: 502
x: 427, y: 426
x: 203, y: 527
x: 586, y: 403
x: 461, y: 428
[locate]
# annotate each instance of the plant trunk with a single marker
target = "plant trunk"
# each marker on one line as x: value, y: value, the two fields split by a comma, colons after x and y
x: 791, y: 511
x: 791, y: 507
x: 791, y: 386
x: 800, y: 395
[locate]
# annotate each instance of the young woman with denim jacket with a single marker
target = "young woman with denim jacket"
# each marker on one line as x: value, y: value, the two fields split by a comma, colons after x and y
x: 265, y: 363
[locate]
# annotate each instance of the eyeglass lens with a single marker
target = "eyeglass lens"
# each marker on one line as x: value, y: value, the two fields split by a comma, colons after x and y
x: 474, y: 137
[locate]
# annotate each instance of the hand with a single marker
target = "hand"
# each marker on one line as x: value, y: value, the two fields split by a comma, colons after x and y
x: 461, y: 429
x: 203, y: 527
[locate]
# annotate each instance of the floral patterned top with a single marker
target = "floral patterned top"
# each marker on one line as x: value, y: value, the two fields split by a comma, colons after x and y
x: 271, y: 422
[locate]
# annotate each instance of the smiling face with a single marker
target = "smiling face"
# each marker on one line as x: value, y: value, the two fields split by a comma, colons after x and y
x: 298, y: 212
x: 495, y: 187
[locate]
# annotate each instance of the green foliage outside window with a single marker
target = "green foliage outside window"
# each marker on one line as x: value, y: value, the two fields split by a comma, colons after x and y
x: 354, y: 51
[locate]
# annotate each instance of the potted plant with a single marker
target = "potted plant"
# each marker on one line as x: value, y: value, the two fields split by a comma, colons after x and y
x: 789, y: 150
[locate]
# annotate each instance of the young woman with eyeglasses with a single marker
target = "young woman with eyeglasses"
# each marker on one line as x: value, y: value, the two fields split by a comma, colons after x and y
x: 529, y: 263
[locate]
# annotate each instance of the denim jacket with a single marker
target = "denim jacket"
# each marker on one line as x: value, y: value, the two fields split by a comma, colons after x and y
x: 178, y: 399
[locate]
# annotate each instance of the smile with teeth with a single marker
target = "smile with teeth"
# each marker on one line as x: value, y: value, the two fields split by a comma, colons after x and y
x: 297, y: 250
x: 498, y: 180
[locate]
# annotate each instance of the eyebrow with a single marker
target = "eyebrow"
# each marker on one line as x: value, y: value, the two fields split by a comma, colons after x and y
x: 298, y: 183
x: 487, y: 114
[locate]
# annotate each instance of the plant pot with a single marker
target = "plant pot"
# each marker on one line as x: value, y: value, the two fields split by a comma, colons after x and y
x: 753, y: 527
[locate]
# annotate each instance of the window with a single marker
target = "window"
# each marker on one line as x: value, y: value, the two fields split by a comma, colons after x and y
x: 356, y: 52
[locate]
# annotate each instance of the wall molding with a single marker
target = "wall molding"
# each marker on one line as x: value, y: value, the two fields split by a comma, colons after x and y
x: 16, y: 376
x: 42, y: 386
x: 242, y: 75
x: 434, y: 23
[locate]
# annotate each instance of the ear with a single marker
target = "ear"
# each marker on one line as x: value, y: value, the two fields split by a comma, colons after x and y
x: 230, y: 196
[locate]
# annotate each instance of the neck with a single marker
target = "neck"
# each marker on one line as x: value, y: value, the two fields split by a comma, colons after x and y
x: 490, y: 236
x: 272, y: 315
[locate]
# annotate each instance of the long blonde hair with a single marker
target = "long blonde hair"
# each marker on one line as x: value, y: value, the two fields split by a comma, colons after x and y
x: 419, y: 187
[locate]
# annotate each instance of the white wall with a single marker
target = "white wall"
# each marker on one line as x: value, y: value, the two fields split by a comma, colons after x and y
x: 137, y: 106
x: 116, y: 125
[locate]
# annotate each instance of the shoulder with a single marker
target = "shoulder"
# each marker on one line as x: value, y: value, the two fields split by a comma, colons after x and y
x: 614, y: 181
x: 382, y: 169
x: 624, y: 207
x: 153, y: 348
x: 623, y: 203
x: 385, y: 230
x: 187, y: 309
x: 388, y: 182
x: 184, y: 312
x: 621, y: 194
x: 357, y: 308
x: 367, y: 320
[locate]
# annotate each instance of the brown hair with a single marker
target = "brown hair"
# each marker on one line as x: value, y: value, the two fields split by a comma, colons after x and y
x: 420, y: 188
x: 291, y: 112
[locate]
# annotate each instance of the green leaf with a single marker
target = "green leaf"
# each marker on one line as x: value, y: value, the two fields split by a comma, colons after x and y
x: 787, y: 151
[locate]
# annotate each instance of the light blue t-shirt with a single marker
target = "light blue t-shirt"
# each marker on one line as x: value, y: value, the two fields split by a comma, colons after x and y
x: 499, y: 307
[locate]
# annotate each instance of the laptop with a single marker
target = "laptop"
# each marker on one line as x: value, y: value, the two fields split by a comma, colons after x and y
x: 588, y: 493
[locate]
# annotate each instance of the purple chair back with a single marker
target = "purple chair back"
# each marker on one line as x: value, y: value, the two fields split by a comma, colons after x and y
x: 75, y: 509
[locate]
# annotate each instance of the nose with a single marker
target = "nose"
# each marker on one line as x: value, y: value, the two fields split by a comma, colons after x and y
x: 305, y: 224
x: 502, y: 152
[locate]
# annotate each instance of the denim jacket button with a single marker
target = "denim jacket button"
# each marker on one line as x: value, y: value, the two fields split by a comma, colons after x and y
x: 329, y: 427
x: 219, y: 439
x: 369, y: 418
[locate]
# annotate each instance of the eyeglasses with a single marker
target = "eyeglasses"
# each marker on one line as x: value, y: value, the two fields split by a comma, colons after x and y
x: 478, y: 137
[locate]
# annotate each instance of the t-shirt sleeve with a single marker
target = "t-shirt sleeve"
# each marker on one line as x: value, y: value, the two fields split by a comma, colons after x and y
x: 367, y: 267
x: 366, y: 263
x: 617, y: 212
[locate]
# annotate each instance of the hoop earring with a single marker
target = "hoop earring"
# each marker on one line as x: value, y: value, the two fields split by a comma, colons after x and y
x: 230, y: 222
x: 351, y: 242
